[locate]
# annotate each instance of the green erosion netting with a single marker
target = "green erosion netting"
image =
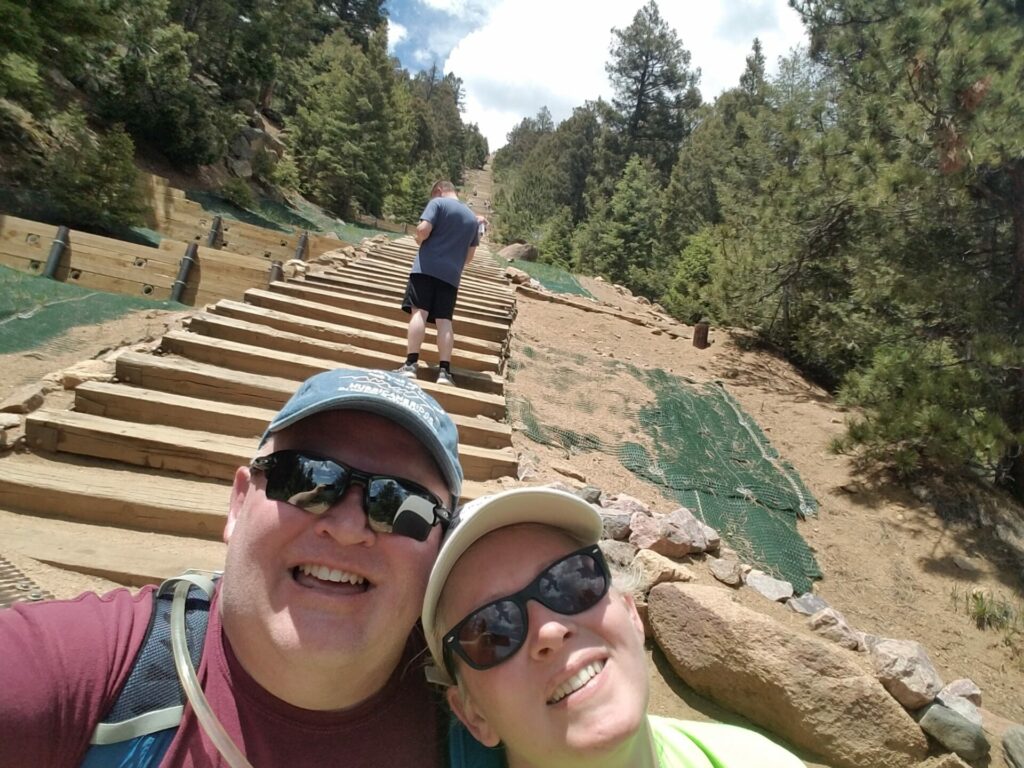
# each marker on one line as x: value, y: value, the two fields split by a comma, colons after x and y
x: 691, y: 440
x: 551, y: 277
x: 35, y: 309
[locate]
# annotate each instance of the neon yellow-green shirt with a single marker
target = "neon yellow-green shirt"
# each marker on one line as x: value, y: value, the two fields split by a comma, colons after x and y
x: 689, y: 744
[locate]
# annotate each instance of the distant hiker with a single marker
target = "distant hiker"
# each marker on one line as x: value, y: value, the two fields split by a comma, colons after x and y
x: 448, y: 235
x: 545, y: 657
x: 311, y: 653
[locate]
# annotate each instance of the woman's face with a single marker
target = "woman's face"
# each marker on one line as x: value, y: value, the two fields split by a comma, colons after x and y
x: 578, y: 685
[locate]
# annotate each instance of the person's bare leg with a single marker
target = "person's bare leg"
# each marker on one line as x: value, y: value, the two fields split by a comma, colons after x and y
x: 417, y: 330
x: 445, y: 340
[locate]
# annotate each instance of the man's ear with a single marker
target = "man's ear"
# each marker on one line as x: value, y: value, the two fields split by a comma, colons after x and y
x: 464, y: 709
x: 239, y: 490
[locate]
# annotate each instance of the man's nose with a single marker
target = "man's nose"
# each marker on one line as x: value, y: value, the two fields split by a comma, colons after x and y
x: 345, y: 520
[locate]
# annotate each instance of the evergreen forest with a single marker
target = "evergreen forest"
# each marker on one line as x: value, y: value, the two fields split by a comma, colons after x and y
x: 86, y: 84
x: 859, y: 211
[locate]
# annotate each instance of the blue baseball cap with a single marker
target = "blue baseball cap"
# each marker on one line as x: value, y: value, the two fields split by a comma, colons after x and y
x: 386, y: 394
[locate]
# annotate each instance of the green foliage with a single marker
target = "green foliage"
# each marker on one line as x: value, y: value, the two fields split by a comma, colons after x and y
x: 91, y: 178
x: 620, y: 244
x: 684, y: 297
x: 924, y: 409
x: 555, y: 243
x: 238, y: 192
x: 158, y: 102
x: 655, y: 91
x: 476, y: 147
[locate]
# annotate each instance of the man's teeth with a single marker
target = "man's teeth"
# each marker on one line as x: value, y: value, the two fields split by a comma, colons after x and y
x: 577, y: 681
x: 324, y: 573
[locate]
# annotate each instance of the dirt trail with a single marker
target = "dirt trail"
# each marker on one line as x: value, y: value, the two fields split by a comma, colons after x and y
x: 891, y: 564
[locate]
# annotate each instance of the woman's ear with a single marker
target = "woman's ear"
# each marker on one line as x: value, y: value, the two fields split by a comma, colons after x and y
x: 239, y: 490
x: 634, y: 615
x: 464, y: 709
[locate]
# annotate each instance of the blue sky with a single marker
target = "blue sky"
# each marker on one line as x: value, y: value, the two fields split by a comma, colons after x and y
x: 516, y: 56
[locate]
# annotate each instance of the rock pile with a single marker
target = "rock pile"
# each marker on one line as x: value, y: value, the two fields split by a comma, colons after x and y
x: 855, y: 699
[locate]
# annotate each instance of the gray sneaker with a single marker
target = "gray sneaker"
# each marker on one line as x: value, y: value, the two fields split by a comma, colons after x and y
x: 443, y: 377
x: 408, y: 370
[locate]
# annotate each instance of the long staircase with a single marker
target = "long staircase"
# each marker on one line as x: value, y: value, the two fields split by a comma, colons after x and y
x: 132, y: 482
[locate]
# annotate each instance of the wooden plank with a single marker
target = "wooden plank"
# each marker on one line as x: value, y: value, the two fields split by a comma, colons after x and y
x: 341, y: 334
x: 194, y: 452
x: 395, y: 294
x: 93, y: 277
x: 223, y: 385
x: 355, y: 275
x: 223, y: 259
x: 91, y: 492
x: 479, y: 329
x: 154, y: 446
x: 150, y: 406
x: 126, y: 557
x: 479, y: 290
x: 358, y: 320
x: 244, y: 357
x: 258, y: 335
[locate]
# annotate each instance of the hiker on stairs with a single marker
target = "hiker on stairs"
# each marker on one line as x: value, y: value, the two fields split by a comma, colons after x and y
x: 447, y: 234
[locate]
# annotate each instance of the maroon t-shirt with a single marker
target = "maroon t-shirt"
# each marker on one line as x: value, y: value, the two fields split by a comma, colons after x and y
x: 62, y: 664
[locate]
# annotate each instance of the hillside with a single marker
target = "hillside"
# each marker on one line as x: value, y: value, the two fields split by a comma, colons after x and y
x: 897, y: 563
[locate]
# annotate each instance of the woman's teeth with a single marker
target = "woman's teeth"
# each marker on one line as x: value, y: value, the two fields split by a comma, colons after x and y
x: 577, y: 681
x: 324, y: 573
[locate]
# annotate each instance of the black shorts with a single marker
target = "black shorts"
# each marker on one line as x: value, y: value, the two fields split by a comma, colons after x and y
x: 429, y: 293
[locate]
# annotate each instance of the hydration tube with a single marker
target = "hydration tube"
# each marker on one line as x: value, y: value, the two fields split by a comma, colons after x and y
x: 193, y: 691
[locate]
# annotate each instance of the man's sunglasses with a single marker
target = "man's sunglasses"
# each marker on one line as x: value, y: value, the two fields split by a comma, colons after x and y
x: 494, y: 632
x: 314, y: 483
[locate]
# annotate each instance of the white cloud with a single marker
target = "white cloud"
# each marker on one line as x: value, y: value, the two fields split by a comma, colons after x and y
x: 535, y: 53
x: 396, y: 34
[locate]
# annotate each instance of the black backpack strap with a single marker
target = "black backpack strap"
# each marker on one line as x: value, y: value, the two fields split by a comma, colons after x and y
x: 152, y: 699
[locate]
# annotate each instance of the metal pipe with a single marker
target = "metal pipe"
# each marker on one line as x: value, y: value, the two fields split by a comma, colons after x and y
x: 302, y: 250
x: 216, y: 237
x: 60, y: 242
x: 276, y: 272
x: 183, y: 269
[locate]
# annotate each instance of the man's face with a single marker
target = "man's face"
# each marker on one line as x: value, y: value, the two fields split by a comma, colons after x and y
x: 326, y: 592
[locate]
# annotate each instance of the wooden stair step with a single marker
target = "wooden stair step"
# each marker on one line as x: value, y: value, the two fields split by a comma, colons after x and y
x: 257, y: 359
x: 387, y: 310
x: 192, y: 452
x: 357, y: 285
x: 258, y: 335
x: 317, y: 329
x: 89, y: 491
x: 340, y: 316
x: 474, y: 287
x: 132, y: 558
x: 202, y: 381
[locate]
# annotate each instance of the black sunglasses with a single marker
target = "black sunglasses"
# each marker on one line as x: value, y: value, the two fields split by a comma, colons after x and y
x: 314, y: 483
x: 494, y: 632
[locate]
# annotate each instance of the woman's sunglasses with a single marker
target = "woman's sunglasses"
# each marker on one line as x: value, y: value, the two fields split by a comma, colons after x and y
x: 494, y: 632
x: 314, y: 483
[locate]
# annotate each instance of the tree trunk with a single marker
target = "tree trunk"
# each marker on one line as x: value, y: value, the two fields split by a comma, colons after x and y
x: 1016, y: 417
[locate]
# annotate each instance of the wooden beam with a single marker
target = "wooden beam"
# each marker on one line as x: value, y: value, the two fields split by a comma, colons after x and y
x: 387, y: 310
x: 223, y: 385
x: 318, y: 329
x: 90, y: 492
x: 244, y: 357
x: 357, y: 320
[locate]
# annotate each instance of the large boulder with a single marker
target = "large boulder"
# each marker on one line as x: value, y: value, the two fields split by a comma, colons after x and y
x: 811, y: 692
x: 519, y: 252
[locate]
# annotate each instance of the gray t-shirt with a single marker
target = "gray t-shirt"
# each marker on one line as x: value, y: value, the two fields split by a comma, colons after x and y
x: 455, y: 230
